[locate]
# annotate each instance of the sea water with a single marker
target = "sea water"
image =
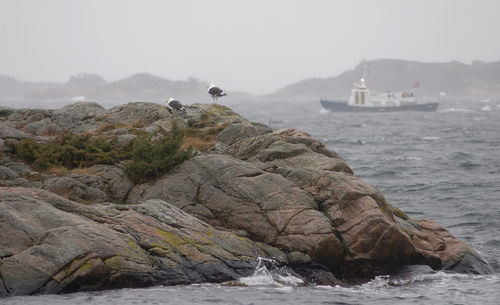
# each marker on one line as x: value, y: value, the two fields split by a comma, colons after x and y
x: 443, y: 166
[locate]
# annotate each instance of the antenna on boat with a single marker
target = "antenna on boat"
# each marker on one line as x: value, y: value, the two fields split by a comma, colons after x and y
x: 363, y: 79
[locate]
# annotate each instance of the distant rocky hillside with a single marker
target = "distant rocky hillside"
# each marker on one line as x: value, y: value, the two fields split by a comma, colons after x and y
x: 478, y: 80
x: 92, y: 87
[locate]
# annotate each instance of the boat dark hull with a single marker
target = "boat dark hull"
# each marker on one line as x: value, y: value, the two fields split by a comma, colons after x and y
x: 343, y: 107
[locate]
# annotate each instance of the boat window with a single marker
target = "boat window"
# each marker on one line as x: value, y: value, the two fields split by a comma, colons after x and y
x: 356, y: 97
x: 362, y: 98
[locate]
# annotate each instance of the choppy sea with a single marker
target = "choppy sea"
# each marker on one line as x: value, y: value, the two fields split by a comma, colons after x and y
x: 443, y: 166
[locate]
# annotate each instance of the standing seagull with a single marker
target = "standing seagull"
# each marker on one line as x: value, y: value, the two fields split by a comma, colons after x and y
x: 174, y: 104
x: 215, y: 92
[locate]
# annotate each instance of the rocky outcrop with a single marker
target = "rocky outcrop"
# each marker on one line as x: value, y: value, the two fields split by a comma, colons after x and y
x: 143, y: 113
x: 51, y: 245
x: 78, y: 117
x: 255, y: 192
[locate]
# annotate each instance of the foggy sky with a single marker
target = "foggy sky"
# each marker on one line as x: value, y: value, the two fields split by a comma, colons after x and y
x: 253, y: 46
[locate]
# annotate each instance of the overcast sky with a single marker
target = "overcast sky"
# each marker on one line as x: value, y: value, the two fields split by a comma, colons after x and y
x: 254, y: 46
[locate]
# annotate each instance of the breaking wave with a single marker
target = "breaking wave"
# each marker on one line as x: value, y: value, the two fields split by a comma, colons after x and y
x: 262, y: 276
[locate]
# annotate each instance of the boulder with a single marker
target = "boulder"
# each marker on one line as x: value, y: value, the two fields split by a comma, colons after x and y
x: 124, y: 139
x: 78, y: 187
x: 238, y: 131
x: 25, y: 116
x: 230, y: 193
x: 331, y: 216
x: 3, y: 146
x: 118, y: 183
x: 134, y: 113
x: 78, y: 117
x: 287, y: 149
x: 5, y: 112
x: 7, y: 132
x: 43, y: 127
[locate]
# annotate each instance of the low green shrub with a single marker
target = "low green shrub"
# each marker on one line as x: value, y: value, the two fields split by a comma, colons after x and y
x: 155, y: 154
x: 70, y: 151
x: 149, y: 155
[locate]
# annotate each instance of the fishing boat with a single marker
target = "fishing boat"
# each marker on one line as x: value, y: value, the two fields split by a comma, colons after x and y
x: 364, y: 100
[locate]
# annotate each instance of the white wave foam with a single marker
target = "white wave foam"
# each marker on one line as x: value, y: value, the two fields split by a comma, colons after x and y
x: 453, y: 109
x: 401, y: 158
x: 486, y: 108
x: 264, y: 277
x: 323, y: 110
x: 429, y: 138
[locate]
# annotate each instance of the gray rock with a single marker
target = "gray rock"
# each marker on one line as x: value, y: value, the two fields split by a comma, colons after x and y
x: 120, y: 131
x: 20, y: 168
x: 117, y: 181
x: 239, y: 131
x: 9, y: 132
x: 5, y: 112
x: 7, y: 173
x: 125, y: 139
x: 18, y: 181
x: 79, y: 187
x: 469, y: 262
x: 44, y: 127
x: 134, y: 113
x: 25, y: 116
x: 228, y: 192
x: 298, y: 199
x: 78, y: 117
x: 3, y: 146
x: 296, y: 257
x: 288, y: 149
x: 66, y: 187
x: 52, y: 245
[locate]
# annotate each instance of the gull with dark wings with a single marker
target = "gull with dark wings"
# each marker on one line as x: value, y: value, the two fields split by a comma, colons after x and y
x: 174, y: 104
x: 215, y: 92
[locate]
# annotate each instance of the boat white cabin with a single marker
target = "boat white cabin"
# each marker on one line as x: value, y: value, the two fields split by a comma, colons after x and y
x: 362, y: 97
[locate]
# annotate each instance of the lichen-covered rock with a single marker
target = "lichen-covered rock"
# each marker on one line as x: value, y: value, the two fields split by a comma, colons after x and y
x: 5, y: 111
x: 3, y: 146
x: 287, y: 149
x: 78, y: 187
x: 231, y: 193
x: 43, y: 127
x: 238, y: 131
x: 50, y: 244
x: 22, y: 117
x: 78, y: 117
x: 7, y: 131
x: 318, y: 206
x: 117, y: 182
x: 139, y: 113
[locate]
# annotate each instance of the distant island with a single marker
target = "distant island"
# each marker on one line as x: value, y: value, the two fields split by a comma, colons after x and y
x: 479, y: 80
x: 456, y: 79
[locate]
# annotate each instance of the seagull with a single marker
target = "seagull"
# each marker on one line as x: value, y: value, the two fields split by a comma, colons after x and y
x: 174, y: 104
x: 215, y: 92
